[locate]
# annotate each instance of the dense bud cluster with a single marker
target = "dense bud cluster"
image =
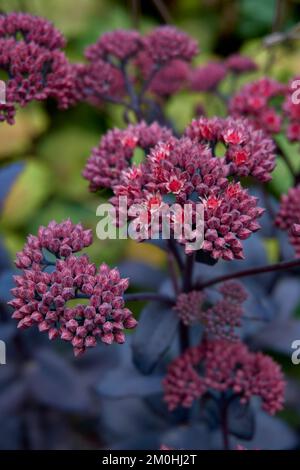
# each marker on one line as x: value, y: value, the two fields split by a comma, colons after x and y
x: 238, y: 63
x: 122, y: 59
x: 41, y: 294
x: 96, y: 82
x: 207, y: 77
x: 223, y: 318
x: 221, y: 366
x: 220, y: 319
x: 189, y: 172
x: 60, y: 239
x: 288, y: 217
x: 166, y: 81
x: 121, y: 44
x: 291, y: 109
x: 35, y: 66
x: 115, y: 151
x: 254, y: 101
x: 189, y: 306
x: 167, y: 43
x: 247, y: 152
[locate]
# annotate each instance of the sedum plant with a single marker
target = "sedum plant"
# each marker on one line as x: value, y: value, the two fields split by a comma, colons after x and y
x: 189, y: 346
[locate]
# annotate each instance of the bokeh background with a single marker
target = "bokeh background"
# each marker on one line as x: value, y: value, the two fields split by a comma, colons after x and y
x: 48, y: 399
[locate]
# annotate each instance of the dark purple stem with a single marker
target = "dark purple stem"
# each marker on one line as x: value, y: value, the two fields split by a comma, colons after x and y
x: 224, y: 423
x: 150, y: 296
x: 186, y: 287
x: 173, y: 272
x: 249, y: 272
x: 174, y: 249
x: 188, y: 273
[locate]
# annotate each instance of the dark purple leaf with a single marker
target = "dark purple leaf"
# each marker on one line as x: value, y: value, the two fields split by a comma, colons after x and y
x: 240, y: 419
x: 55, y: 383
x: 270, y: 434
x: 142, y: 274
x: 278, y: 336
x: 129, y: 382
x: 156, y: 330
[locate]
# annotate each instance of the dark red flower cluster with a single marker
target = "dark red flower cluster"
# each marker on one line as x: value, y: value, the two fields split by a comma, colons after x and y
x: 31, y: 29
x: 207, y: 77
x: 254, y: 101
x: 238, y: 63
x: 36, y: 68
x: 288, y: 217
x: 189, y: 306
x: 221, y: 366
x: 247, y: 152
x: 41, y: 294
x: 189, y: 172
x: 115, y: 151
x: 291, y: 109
x: 223, y: 318
x: 60, y: 239
x: 159, y: 58
x: 119, y: 44
x: 166, y: 81
x: 96, y: 82
x: 167, y: 43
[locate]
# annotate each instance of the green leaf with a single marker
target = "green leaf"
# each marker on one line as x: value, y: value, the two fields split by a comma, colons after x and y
x: 30, y: 190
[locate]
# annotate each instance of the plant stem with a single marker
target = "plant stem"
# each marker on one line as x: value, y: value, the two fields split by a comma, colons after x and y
x: 134, y: 99
x: 188, y: 273
x: 135, y: 8
x: 184, y: 337
x: 148, y: 81
x: 187, y: 282
x: 174, y: 249
x: 249, y: 272
x: 150, y: 296
x: 224, y: 424
x: 163, y: 10
x: 173, y: 273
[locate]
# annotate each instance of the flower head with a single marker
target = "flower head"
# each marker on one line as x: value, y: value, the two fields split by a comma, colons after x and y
x: 60, y: 239
x: 121, y: 44
x: 167, y: 43
x: 238, y: 63
x: 115, y: 151
x: 253, y: 101
x: 188, y: 171
x: 166, y: 81
x: 207, y: 77
x: 223, y: 318
x: 248, y: 152
x: 41, y: 296
x: 98, y: 81
x: 221, y: 366
x: 288, y: 217
x: 31, y: 29
x: 188, y: 306
x: 36, y: 68
x: 292, y: 112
